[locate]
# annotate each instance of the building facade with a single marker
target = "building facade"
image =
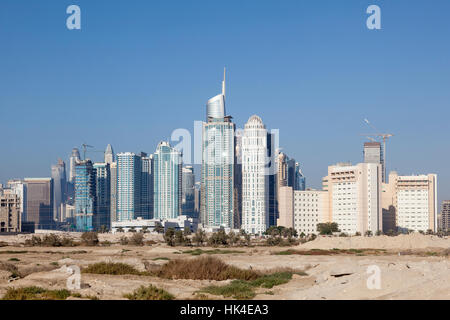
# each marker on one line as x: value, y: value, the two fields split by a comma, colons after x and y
x: 113, y: 183
x: 85, y: 196
x: 373, y: 153
x: 103, y: 195
x: 300, y: 180
x: 167, y: 181
x: 10, y: 215
x: 39, y: 202
x: 217, y: 178
x: 188, y: 192
x: 255, y: 182
x: 286, y: 207
x: 59, y: 188
x: 18, y: 187
x: 413, y: 201
x: 445, y: 216
x: 311, y: 207
x: 355, y: 197
x: 129, y: 175
x: 146, y: 186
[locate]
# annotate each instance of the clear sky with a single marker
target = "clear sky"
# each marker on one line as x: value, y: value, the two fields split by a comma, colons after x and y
x: 137, y: 70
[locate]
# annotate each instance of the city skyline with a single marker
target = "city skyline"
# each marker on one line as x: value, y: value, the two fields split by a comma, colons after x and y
x: 317, y: 97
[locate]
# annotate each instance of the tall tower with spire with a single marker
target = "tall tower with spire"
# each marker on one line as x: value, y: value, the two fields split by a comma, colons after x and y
x: 217, y: 184
x: 109, y: 154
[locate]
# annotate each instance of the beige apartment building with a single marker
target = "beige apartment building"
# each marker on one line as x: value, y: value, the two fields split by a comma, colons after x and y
x: 303, y: 210
x: 311, y: 207
x: 445, y: 216
x: 410, y: 201
x: 286, y: 207
x: 354, y: 197
x: 10, y: 215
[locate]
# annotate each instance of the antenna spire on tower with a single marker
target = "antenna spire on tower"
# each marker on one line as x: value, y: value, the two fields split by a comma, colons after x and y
x: 224, y: 79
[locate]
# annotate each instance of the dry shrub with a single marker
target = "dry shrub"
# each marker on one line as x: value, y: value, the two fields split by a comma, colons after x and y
x: 89, y: 239
x: 149, y: 293
x: 203, y: 268
x: 137, y: 239
x: 35, y: 293
x: 112, y: 268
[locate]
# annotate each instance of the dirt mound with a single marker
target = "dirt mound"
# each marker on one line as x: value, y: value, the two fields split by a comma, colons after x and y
x: 404, y: 242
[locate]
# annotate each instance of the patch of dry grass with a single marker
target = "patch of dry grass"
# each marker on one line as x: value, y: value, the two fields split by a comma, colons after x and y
x: 35, y: 293
x: 203, y: 268
x: 113, y: 268
x: 149, y: 293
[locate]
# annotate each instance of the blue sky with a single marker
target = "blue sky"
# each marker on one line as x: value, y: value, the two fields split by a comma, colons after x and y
x: 140, y: 69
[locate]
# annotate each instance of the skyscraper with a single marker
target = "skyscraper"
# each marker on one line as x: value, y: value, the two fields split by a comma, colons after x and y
x: 237, y: 194
x: 255, y: 182
x: 373, y: 153
x: 300, y: 180
x: 167, y: 181
x: 281, y: 180
x: 40, y: 202
x: 146, y: 186
x: 74, y: 159
x: 59, y: 188
x: 103, y: 195
x: 129, y: 175
x: 109, y: 154
x: 217, y: 198
x: 188, y: 192
x: 113, y: 184
x: 70, y: 185
x: 85, y: 196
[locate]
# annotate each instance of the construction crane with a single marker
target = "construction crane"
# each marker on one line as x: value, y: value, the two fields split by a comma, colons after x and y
x: 382, y: 136
x: 85, y: 147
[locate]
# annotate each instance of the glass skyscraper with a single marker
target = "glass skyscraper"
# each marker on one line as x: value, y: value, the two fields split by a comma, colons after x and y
x: 188, y: 192
x: 59, y: 188
x: 85, y: 195
x: 128, y: 186
x: 300, y: 180
x: 39, y: 202
x: 167, y: 165
x: 217, y: 165
x: 103, y: 194
x: 146, y: 186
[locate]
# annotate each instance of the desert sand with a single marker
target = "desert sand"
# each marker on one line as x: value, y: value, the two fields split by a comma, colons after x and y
x: 411, y: 267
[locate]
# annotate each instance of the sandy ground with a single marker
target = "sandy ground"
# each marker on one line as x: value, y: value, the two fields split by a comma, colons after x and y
x: 339, y: 276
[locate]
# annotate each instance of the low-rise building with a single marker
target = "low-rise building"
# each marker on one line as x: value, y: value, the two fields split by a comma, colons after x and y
x: 311, y: 207
x: 355, y: 197
x: 10, y: 212
x: 412, y: 200
x: 303, y: 210
x: 445, y: 216
x: 139, y: 224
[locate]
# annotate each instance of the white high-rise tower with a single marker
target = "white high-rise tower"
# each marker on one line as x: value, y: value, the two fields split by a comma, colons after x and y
x: 255, y: 183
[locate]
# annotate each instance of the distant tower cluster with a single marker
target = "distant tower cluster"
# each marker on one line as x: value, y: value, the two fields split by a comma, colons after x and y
x: 246, y: 182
